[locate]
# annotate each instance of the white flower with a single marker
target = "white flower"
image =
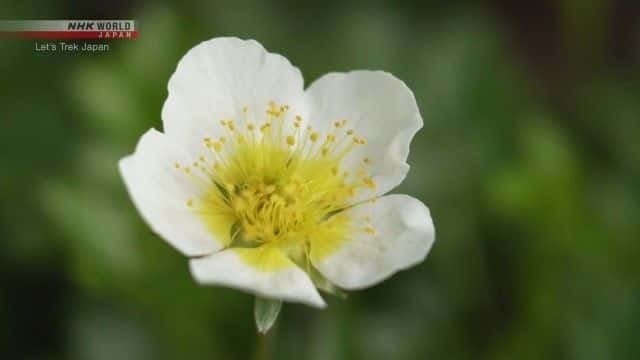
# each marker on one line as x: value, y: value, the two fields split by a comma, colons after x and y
x: 275, y: 190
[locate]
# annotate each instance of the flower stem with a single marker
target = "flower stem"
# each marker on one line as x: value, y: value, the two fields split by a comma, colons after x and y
x: 263, y: 346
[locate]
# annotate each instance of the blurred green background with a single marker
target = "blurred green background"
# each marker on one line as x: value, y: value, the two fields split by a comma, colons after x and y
x: 529, y: 161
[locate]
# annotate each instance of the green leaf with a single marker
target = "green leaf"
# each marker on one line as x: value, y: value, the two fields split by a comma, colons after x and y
x: 266, y: 312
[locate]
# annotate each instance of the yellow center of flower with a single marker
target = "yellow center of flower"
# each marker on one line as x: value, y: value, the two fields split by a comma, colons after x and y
x: 279, y: 183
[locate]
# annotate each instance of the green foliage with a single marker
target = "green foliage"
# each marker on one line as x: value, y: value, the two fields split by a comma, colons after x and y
x: 534, y: 196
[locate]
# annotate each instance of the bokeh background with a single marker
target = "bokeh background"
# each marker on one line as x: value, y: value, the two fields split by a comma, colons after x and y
x: 529, y: 161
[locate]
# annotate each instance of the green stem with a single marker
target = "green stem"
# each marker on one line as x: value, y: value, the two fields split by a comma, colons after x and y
x: 263, y: 346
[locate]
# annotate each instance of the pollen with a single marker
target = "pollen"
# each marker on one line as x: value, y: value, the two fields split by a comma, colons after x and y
x: 370, y: 183
x: 285, y: 185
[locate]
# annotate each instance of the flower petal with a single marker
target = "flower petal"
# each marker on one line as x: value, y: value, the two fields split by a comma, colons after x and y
x: 403, y: 236
x: 264, y: 271
x: 217, y: 78
x: 160, y: 192
x: 381, y: 109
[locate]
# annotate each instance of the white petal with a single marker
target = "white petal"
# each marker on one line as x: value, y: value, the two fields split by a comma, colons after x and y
x: 217, y: 78
x: 381, y: 109
x: 403, y: 236
x: 229, y: 268
x: 160, y: 192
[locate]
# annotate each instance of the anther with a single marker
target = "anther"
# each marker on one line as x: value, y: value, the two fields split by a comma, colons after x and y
x: 369, y: 183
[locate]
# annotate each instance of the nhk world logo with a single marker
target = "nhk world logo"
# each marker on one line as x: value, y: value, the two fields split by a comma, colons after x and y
x: 69, y: 29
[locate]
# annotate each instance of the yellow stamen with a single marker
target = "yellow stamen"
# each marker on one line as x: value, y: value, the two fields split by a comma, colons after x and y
x: 283, y: 187
x: 291, y: 140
